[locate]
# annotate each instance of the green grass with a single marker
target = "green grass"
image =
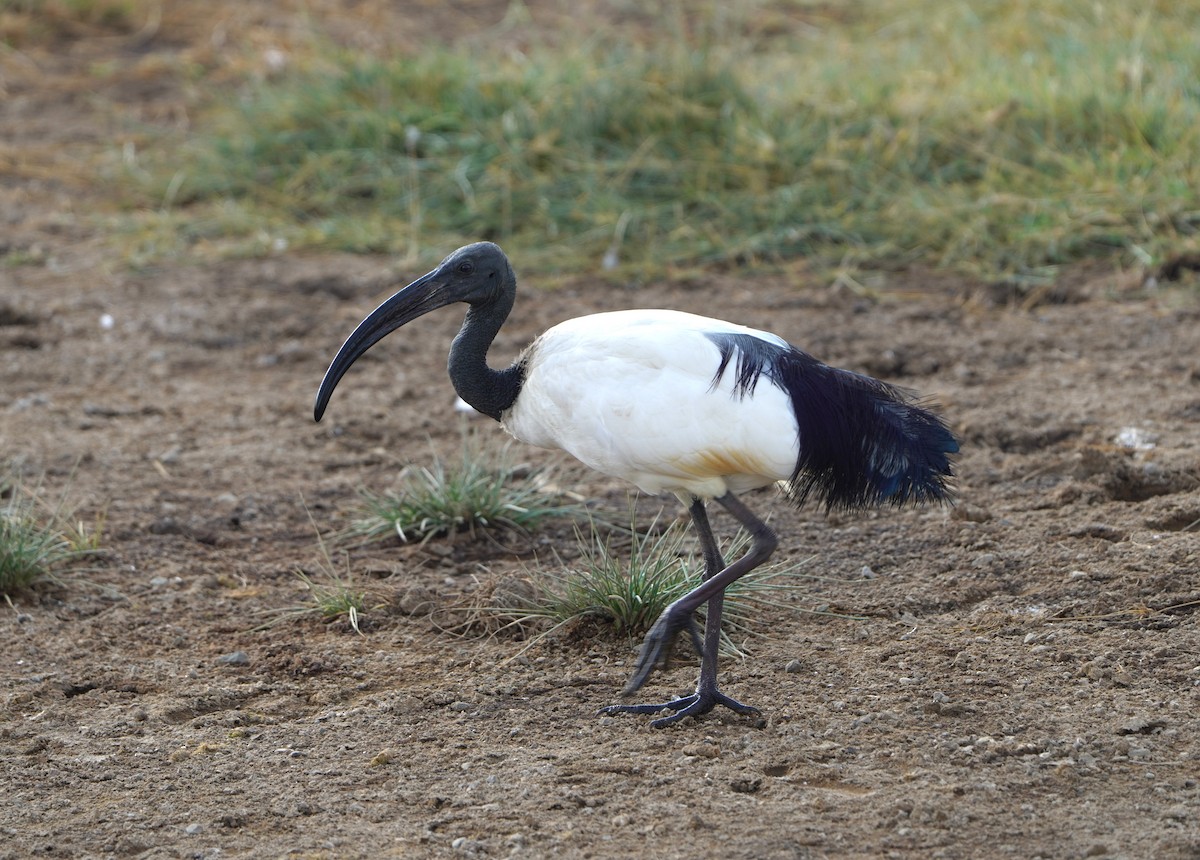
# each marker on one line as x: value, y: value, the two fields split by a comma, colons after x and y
x: 626, y: 588
x: 38, y: 543
x: 1000, y: 139
x: 477, y: 493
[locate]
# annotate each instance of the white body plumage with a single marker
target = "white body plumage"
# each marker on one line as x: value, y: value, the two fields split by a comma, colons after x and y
x: 632, y: 395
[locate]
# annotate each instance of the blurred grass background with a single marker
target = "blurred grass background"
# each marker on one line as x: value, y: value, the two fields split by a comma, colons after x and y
x: 998, y: 139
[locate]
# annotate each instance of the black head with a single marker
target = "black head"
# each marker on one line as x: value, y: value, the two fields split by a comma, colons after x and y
x: 477, y: 274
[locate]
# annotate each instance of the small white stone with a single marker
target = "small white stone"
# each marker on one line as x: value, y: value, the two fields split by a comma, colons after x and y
x: 274, y: 59
x: 1136, y: 439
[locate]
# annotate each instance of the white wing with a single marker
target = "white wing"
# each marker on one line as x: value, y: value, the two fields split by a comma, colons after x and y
x: 631, y: 395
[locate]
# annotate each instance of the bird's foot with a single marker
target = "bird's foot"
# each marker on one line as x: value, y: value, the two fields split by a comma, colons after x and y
x: 687, y: 706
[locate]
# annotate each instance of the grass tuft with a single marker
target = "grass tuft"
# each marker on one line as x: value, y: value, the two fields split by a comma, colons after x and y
x: 479, y: 493
x: 332, y: 599
x: 35, y: 545
x: 626, y: 589
x: 331, y: 596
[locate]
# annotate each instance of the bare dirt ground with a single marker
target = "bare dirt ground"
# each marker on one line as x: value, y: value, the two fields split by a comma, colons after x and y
x: 1022, y: 680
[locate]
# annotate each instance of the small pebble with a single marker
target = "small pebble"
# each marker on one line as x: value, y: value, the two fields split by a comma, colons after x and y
x: 746, y: 785
x: 382, y: 757
x: 970, y: 513
x: 235, y: 658
x: 1178, y: 813
x: 794, y: 666
x: 702, y: 750
x: 1140, y: 725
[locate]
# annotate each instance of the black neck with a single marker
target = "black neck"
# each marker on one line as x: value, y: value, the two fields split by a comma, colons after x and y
x: 488, y: 391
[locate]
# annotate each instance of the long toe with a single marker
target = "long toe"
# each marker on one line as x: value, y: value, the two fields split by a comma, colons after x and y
x: 687, y: 706
x: 673, y: 705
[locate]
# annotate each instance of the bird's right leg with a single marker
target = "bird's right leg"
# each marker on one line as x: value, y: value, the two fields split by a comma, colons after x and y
x: 717, y: 577
x: 714, y: 563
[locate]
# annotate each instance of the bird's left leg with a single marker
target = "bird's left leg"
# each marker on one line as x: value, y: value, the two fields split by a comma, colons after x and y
x: 716, y: 578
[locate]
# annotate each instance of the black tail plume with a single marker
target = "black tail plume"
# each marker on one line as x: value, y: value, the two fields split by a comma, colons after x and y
x: 862, y: 442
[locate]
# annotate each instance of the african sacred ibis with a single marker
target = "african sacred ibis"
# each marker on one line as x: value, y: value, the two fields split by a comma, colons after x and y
x: 675, y: 402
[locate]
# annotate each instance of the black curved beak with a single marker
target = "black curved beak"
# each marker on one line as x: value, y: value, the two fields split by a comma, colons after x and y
x: 427, y: 293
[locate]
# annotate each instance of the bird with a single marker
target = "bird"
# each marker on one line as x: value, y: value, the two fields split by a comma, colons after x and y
x: 677, y: 403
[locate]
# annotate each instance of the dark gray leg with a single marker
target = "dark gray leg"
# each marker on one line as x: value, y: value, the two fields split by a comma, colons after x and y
x: 713, y: 564
x: 717, y: 578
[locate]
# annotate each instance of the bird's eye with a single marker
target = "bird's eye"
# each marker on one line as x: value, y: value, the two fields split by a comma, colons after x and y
x: 466, y: 267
